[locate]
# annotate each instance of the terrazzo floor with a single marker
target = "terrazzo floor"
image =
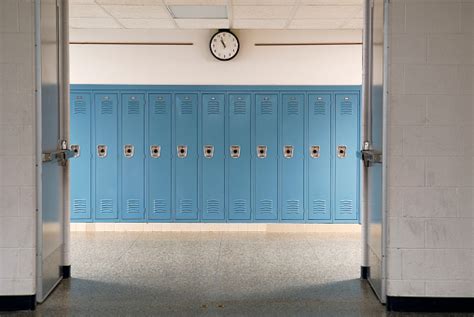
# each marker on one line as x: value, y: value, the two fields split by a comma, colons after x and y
x: 214, y: 274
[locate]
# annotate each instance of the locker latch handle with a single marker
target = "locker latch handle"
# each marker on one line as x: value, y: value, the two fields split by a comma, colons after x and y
x: 315, y: 151
x: 235, y: 151
x: 182, y: 151
x: 76, y: 149
x: 288, y: 151
x: 128, y: 150
x: 155, y: 151
x: 102, y: 150
x: 341, y: 151
x: 208, y: 151
x: 261, y: 151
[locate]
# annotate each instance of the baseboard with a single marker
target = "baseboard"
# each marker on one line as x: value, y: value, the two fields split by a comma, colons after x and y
x: 430, y: 304
x: 364, y: 272
x: 214, y: 227
x: 66, y: 271
x: 15, y: 303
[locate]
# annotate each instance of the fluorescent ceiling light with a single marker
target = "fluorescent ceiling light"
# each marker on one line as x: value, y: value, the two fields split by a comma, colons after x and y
x: 198, y: 12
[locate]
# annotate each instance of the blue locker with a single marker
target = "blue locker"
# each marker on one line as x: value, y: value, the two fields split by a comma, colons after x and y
x: 292, y: 157
x: 132, y: 157
x: 80, y: 166
x: 106, y: 152
x: 319, y: 156
x: 213, y: 156
x: 159, y: 156
x: 239, y: 157
x: 346, y: 166
x: 186, y: 157
x: 266, y: 157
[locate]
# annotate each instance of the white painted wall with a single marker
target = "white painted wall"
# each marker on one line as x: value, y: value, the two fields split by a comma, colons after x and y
x: 431, y: 149
x: 17, y: 141
x: 290, y: 65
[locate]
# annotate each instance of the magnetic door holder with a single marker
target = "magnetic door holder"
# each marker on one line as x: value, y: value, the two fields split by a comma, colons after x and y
x: 235, y: 151
x: 128, y: 150
x: 155, y: 151
x: 182, y: 151
x: 101, y: 150
x: 288, y: 151
x: 261, y: 151
x: 208, y: 151
x: 341, y: 151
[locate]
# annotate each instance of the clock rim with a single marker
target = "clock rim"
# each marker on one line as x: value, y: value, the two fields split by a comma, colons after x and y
x: 238, y: 45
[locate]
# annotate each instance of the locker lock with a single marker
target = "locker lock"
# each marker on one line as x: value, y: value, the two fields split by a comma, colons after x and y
x: 288, y: 151
x: 341, y: 151
x: 208, y: 151
x: 76, y: 149
x: 261, y: 151
x: 128, y: 150
x: 315, y: 151
x: 155, y: 151
x: 102, y: 150
x: 182, y: 151
x: 235, y: 151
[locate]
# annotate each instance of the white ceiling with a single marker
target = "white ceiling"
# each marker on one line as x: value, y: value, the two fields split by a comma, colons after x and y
x: 242, y: 14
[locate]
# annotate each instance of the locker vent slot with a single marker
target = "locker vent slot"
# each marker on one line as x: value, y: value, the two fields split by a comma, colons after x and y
x: 266, y: 108
x: 213, y: 107
x: 159, y: 205
x: 186, y: 205
x: 265, y: 206
x: 79, y: 206
x: 319, y: 108
x: 240, y: 108
x: 133, y: 107
x: 293, y: 108
x: 239, y: 206
x: 319, y: 206
x: 106, y: 107
x: 160, y: 107
x: 186, y: 108
x: 79, y: 107
x: 345, y: 206
x: 293, y: 206
x: 346, y: 108
x: 106, y: 205
x: 212, y: 206
x: 133, y: 206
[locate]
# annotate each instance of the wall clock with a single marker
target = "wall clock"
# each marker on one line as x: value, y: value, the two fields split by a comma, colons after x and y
x: 224, y: 45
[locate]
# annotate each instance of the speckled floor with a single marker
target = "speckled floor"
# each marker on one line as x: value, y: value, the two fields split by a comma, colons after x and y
x: 214, y: 274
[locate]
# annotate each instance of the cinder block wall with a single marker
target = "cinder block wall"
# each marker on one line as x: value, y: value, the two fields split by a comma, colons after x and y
x: 17, y: 144
x: 431, y: 149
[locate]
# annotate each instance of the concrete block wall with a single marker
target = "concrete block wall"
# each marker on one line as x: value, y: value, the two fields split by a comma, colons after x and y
x: 431, y: 120
x: 17, y: 144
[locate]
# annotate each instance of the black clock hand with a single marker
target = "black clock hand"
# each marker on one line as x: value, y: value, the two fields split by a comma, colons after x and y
x: 222, y: 41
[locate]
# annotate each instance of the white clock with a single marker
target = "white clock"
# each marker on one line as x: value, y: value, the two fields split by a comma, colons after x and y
x: 224, y: 45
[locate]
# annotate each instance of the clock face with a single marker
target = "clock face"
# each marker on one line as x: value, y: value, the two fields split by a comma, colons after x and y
x: 224, y: 45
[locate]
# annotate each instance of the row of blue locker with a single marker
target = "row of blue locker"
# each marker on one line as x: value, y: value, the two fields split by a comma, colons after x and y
x: 214, y: 154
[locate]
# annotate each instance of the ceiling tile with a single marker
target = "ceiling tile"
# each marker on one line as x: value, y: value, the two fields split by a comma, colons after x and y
x: 259, y: 24
x: 261, y: 12
x: 317, y: 24
x: 333, y: 2
x: 137, y: 12
x: 147, y: 23
x: 196, y: 2
x: 71, y: 2
x: 202, y: 23
x: 93, y: 23
x: 87, y: 11
x: 130, y: 2
x: 328, y: 12
x: 263, y: 2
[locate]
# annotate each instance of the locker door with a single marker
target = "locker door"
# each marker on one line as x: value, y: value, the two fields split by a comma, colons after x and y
x: 213, y: 161
x: 159, y: 155
x: 186, y: 157
x: 80, y: 166
x: 319, y: 156
x: 292, y: 157
x: 239, y: 157
x: 347, y: 106
x: 132, y: 157
x: 266, y: 157
x: 105, y: 152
